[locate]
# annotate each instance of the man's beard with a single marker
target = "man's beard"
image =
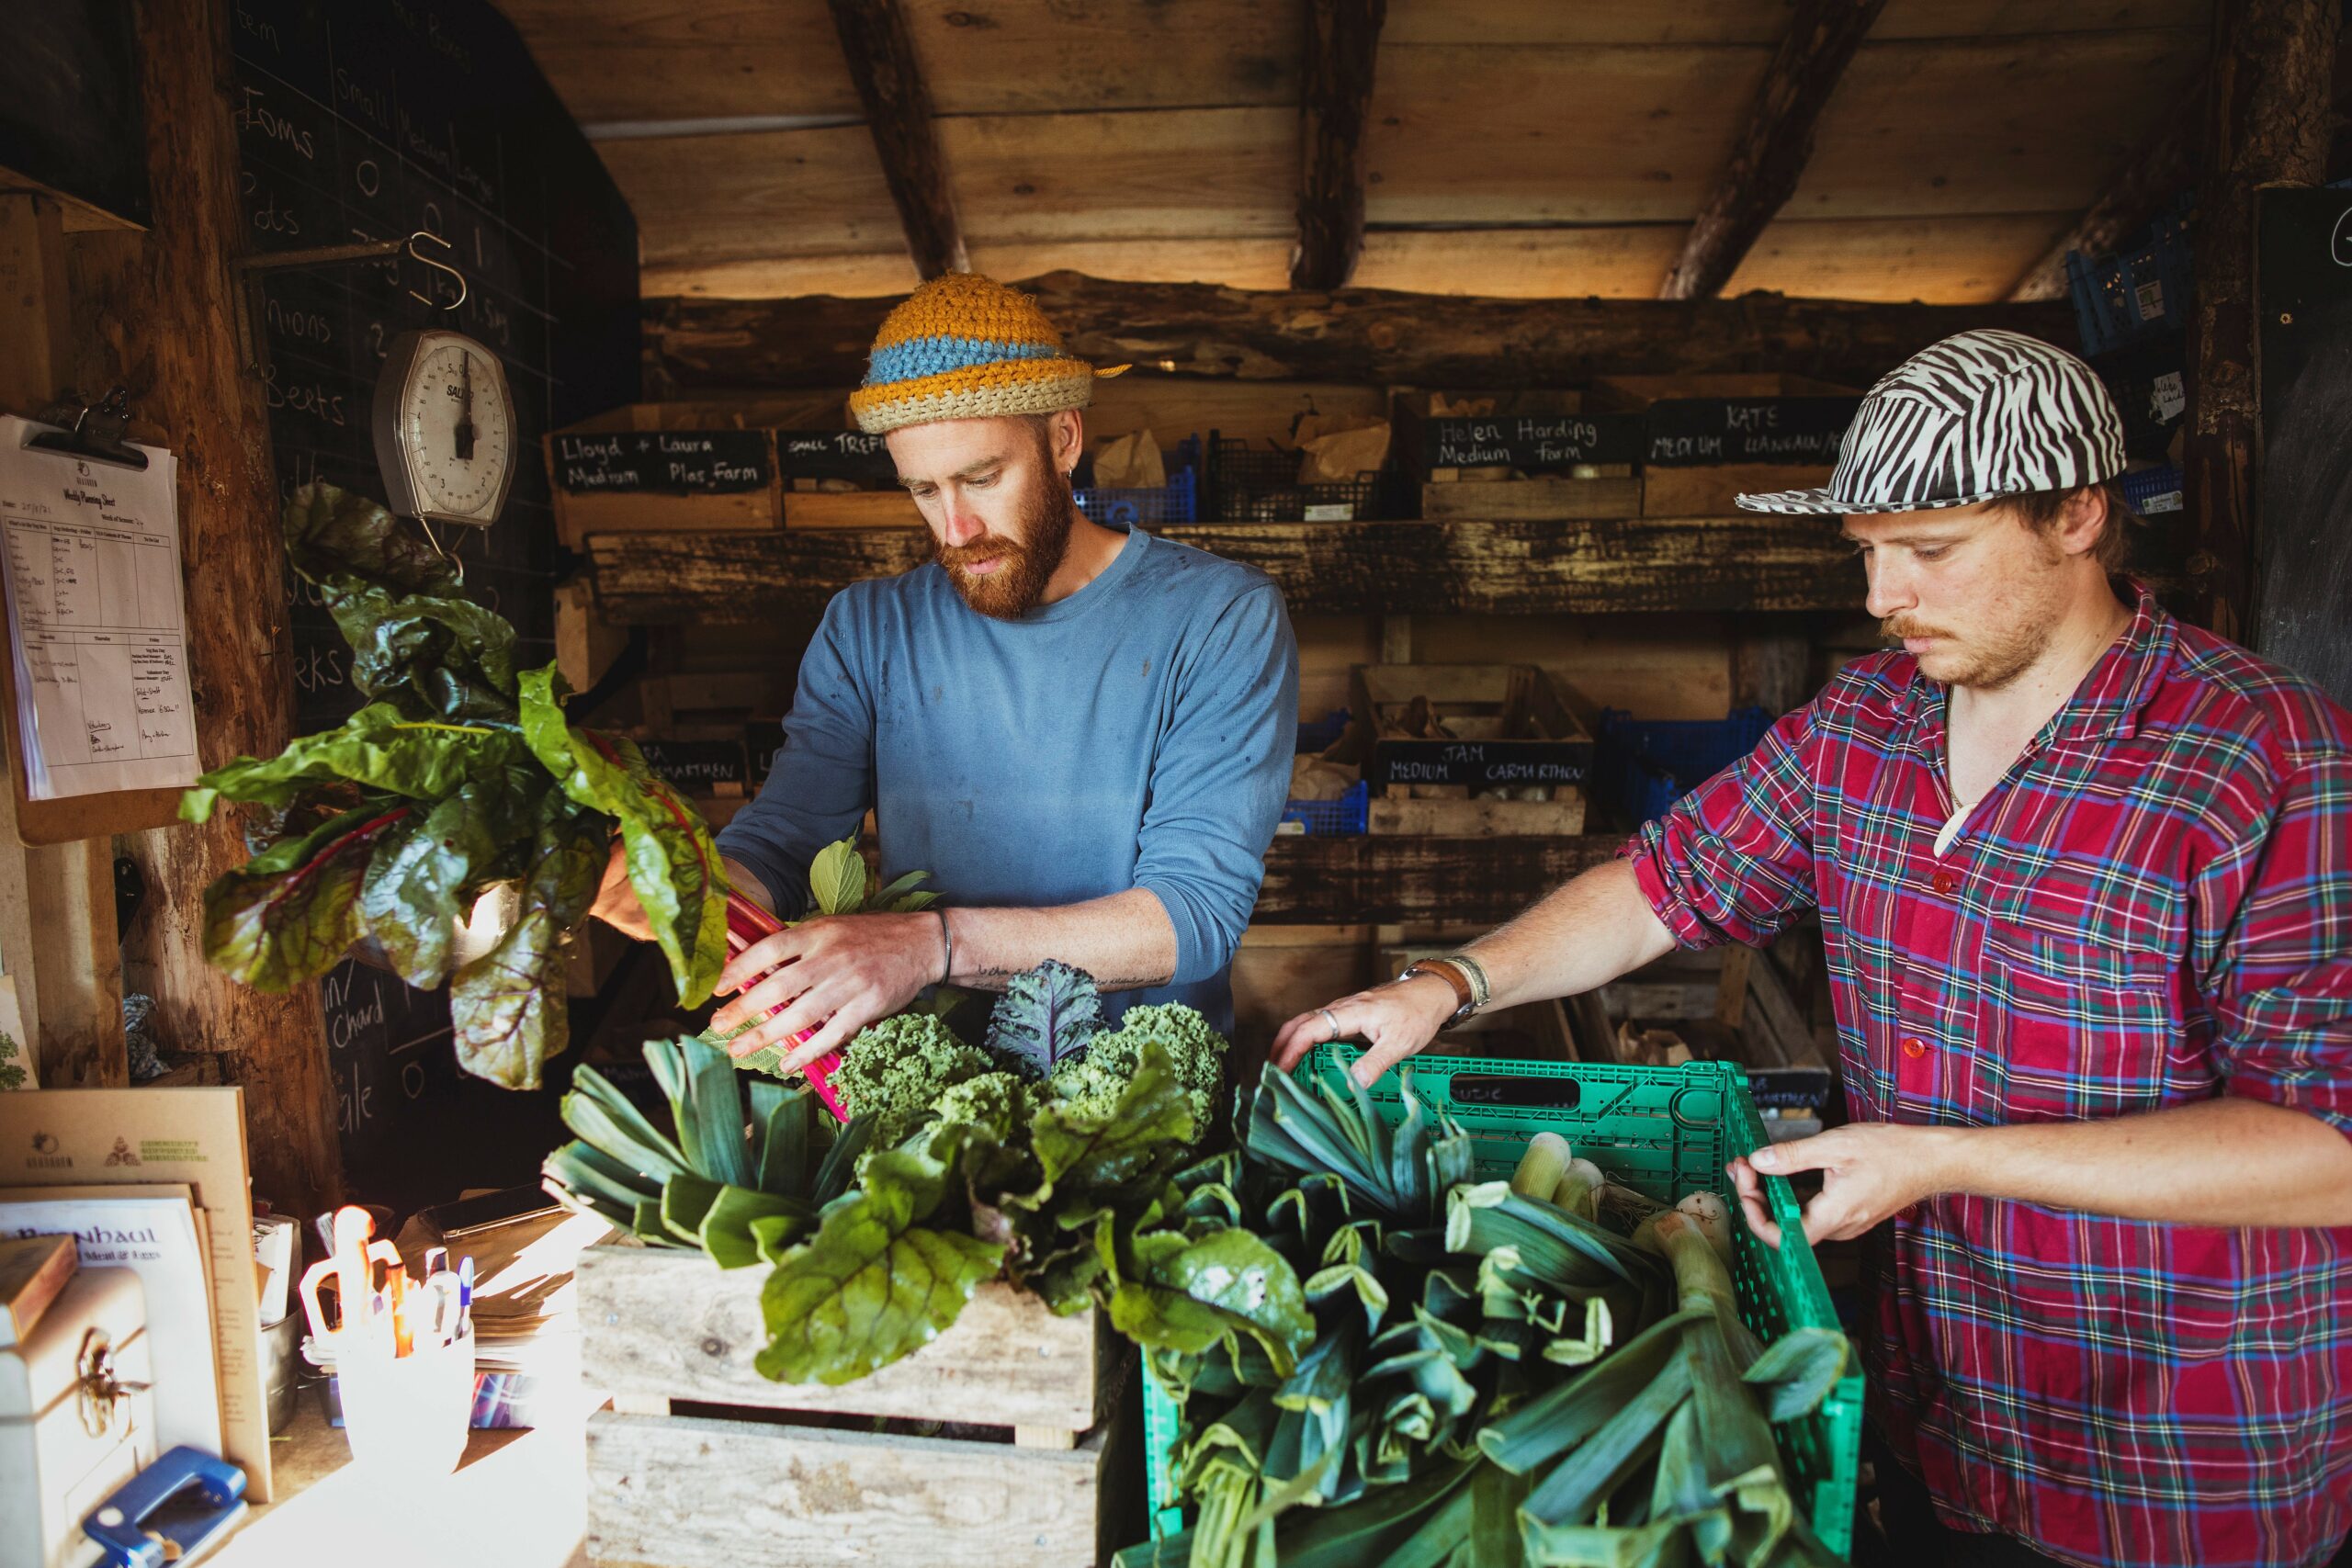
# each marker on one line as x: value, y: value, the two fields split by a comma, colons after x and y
x: 1024, y: 565
x: 1991, y: 660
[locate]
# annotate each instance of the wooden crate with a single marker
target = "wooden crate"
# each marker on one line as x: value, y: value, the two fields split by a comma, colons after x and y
x: 850, y: 509
x: 1536, y: 738
x: 701, y: 1463
x: 658, y: 507
x: 1500, y: 493
x: 1714, y: 492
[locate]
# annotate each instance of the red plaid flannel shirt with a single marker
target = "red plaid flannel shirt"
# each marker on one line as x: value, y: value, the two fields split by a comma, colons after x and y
x: 2154, y: 907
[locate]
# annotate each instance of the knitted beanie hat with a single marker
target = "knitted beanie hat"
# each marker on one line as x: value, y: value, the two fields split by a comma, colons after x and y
x: 964, y: 346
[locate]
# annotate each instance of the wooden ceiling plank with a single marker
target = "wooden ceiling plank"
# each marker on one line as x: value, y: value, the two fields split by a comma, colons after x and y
x: 1334, y: 96
x: 1772, y: 147
x: 1374, y: 337
x: 890, y: 81
x: 2150, y: 180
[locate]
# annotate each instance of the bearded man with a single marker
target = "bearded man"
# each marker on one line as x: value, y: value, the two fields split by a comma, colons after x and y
x: 1083, y: 734
x: 2084, y: 878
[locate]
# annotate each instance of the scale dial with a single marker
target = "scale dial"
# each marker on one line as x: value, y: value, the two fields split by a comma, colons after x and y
x: 445, y: 429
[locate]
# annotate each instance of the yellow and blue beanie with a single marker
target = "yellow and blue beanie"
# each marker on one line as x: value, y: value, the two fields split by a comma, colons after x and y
x: 964, y: 346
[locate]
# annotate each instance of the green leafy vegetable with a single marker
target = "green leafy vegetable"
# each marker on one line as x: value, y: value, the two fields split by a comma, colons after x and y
x: 459, y: 779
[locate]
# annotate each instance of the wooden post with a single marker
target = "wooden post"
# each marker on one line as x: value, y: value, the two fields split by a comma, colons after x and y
x: 881, y: 54
x: 1334, y: 90
x: 1774, y: 146
x: 164, y: 321
x: 2267, y: 120
x: 57, y: 938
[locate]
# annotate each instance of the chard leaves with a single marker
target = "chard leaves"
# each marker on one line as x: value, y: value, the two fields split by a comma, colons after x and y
x: 671, y: 862
x: 456, y: 781
x: 875, y: 1284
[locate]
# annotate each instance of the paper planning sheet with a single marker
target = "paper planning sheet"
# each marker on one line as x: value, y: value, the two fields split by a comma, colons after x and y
x: 92, y: 552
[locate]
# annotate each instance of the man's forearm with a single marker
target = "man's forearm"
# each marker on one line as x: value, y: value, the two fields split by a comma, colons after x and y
x: 1580, y: 936
x: 746, y: 881
x: 2230, y: 1162
x: 1126, y: 942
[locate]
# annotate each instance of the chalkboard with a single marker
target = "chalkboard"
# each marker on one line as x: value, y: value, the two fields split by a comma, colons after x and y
x: 1701, y: 431
x: 2303, y: 280
x: 1533, y: 444
x: 664, y: 462
x: 1482, y: 764
x: 698, y: 766
x: 851, y: 454
x: 69, y: 112
x: 763, y: 739
x: 368, y: 122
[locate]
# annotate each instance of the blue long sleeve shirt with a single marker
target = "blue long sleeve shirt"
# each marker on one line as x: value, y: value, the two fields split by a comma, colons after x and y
x: 1137, y: 734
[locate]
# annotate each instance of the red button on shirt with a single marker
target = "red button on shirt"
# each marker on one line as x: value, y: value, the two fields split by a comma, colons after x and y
x: 1915, y: 1048
x: 1943, y: 882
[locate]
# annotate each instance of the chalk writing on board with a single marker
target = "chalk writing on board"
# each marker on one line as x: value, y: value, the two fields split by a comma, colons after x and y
x: 675, y: 462
x: 1532, y: 443
x: 849, y: 454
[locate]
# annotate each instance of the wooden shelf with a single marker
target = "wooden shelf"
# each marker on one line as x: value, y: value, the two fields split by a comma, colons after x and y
x: 1410, y: 880
x: 1753, y: 561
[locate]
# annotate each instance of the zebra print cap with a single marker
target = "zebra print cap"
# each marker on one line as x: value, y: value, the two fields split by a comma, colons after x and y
x: 1977, y: 416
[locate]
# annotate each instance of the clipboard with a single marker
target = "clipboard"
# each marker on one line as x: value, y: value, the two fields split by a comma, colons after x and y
x: 93, y: 433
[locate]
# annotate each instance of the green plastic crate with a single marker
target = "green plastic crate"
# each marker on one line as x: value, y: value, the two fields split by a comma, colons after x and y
x: 1663, y: 1131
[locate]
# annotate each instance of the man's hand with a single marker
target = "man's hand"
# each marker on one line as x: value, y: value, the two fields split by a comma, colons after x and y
x: 1871, y: 1171
x: 616, y: 902
x: 841, y: 973
x: 1395, y: 1019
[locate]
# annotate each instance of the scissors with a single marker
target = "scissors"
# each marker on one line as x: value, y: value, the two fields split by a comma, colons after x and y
x: 350, y: 1268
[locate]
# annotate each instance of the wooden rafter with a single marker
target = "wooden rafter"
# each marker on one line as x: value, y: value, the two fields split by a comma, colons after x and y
x: 1334, y: 97
x: 881, y: 55
x: 1773, y: 145
x: 1359, y: 336
x: 2157, y: 174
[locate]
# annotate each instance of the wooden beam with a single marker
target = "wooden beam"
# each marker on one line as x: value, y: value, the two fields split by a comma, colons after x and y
x: 161, y: 311
x: 1755, y: 561
x: 1334, y: 96
x: 2268, y: 121
x: 1374, y: 879
x: 1774, y: 146
x: 891, y: 84
x: 2149, y: 182
x: 1366, y: 337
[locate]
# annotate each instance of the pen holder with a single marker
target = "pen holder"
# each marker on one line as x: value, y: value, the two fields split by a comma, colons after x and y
x: 409, y: 1413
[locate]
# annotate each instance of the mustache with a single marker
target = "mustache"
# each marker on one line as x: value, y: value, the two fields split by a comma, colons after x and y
x: 1896, y: 627
x: 986, y: 547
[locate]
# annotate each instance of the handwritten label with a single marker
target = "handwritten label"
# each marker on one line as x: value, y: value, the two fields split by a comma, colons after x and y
x: 664, y: 462
x: 862, y: 459
x: 1697, y: 432
x: 696, y: 766
x: 1532, y: 443
x: 1481, y: 764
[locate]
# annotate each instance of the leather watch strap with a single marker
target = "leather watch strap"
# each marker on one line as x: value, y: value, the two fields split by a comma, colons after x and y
x: 1465, y: 999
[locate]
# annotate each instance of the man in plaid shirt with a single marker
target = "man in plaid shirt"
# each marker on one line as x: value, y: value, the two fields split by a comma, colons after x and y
x: 2085, y: 880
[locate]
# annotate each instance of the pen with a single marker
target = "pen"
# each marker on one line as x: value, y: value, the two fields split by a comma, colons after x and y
x: 464, y: 1292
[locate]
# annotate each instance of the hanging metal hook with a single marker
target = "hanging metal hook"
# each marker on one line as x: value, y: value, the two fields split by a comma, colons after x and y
x: 437, y: 265
x: 455, y: 563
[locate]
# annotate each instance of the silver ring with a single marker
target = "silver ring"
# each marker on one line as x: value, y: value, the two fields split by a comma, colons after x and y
x: 1332, y: 1019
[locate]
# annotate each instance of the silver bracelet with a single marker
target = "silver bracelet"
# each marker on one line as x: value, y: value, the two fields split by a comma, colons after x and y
x: 1481, y: 993
x: 947, y: 937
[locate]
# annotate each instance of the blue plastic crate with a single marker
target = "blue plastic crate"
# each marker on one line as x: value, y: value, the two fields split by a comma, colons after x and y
x: 1177, y: 500
x: 2151, y: 491
x: 1320, y: 735
x: 1326, y: 819
x: 1644, y: 766
x: 2139, y: 291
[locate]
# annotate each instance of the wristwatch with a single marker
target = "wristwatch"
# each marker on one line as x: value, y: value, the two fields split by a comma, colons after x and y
x: 1451, y: 974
